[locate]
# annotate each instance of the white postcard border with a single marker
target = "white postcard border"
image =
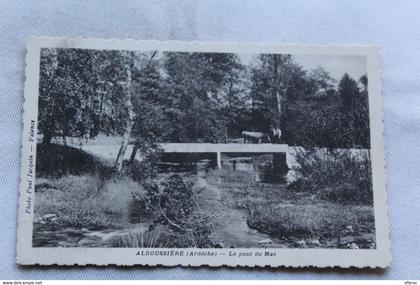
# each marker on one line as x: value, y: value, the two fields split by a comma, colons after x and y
x: 27, y: 255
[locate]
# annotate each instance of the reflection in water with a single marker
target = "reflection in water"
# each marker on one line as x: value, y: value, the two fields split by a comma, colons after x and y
x: 203, y: 166
x: 265, y: 167
x: 177, y: 162
x: 259, y: 173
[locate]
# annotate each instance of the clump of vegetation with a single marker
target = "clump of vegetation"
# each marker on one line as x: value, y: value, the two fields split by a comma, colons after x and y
x: 170, y: 200
x: 194, y: 231
x: 141, y: 239
x: 145, y: 169
x: 335, y: 175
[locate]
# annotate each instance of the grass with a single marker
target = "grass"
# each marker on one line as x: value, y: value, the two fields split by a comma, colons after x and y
x: 141, y: 239
x: 321, y: 221
x: 79, y: 201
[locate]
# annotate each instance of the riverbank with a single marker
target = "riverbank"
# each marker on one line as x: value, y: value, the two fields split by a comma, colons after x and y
x: 229, y: 207
x: 245, y: 213
x: 293, y: 218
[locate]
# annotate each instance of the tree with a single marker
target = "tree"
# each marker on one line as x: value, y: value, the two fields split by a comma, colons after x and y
x: 361, y: 115
x: 47, y: 94
x: 151, y: 97
x: 321, y: 83
x: 274, y: 80
x: 129, y: 122
x: 66, y: 93
x: 234, y: 100
x: 195, y: 82
x: 134, y: 100
x: 151, y: 123
x: 349, y: 93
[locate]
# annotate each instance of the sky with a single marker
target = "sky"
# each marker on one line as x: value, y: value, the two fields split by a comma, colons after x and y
x: 355, y: 66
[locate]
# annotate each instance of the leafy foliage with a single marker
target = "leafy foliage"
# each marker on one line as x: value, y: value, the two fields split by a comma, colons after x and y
x: 198, y: 97
x: 171, y: 201
x: 335, y: 175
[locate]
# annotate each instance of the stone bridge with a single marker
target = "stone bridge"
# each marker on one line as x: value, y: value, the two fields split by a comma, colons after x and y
x: 110, y: 151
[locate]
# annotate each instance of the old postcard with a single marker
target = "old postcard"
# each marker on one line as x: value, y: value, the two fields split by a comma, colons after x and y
x: 219, y: 154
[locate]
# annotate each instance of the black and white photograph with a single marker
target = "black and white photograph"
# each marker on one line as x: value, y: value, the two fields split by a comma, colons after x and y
x: 146, y: 149
x: 222, y: 151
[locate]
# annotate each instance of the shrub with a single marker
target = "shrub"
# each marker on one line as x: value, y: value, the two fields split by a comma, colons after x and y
x: 138, y: 211
x: 141, y: 171
x: 335, y: 175
x: 196, y: 229
x: 170, y: 199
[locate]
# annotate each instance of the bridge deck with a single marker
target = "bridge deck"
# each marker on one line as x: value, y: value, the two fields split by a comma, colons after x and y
x: 110, y: 152
x: 219, y: 148
x: 233, y: 147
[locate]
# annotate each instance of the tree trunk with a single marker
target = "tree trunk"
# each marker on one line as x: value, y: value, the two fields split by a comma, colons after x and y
x: 133, y: 153
x: 126, y: 137
x: 281, y: 85
x: 276, y: 91
x: 47, y: 138
x: 279, y: 109
x: 129, y: 125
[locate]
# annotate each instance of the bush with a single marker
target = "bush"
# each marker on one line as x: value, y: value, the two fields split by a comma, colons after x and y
x: 198, y: 229
x: 335, y: 175
x: 171, y: 201
x: 141, y: 171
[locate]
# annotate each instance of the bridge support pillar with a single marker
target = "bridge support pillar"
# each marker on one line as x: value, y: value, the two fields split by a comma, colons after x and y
x: 219, y: 160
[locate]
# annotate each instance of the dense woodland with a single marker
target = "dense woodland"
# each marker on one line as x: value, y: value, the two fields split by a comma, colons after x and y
x: 150, y: 97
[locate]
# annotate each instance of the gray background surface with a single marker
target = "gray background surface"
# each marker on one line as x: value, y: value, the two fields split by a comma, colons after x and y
x: 392, y: 25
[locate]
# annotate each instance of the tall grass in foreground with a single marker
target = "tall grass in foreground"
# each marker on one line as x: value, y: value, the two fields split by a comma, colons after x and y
x: 78, y: 201
x: 141, y: 239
